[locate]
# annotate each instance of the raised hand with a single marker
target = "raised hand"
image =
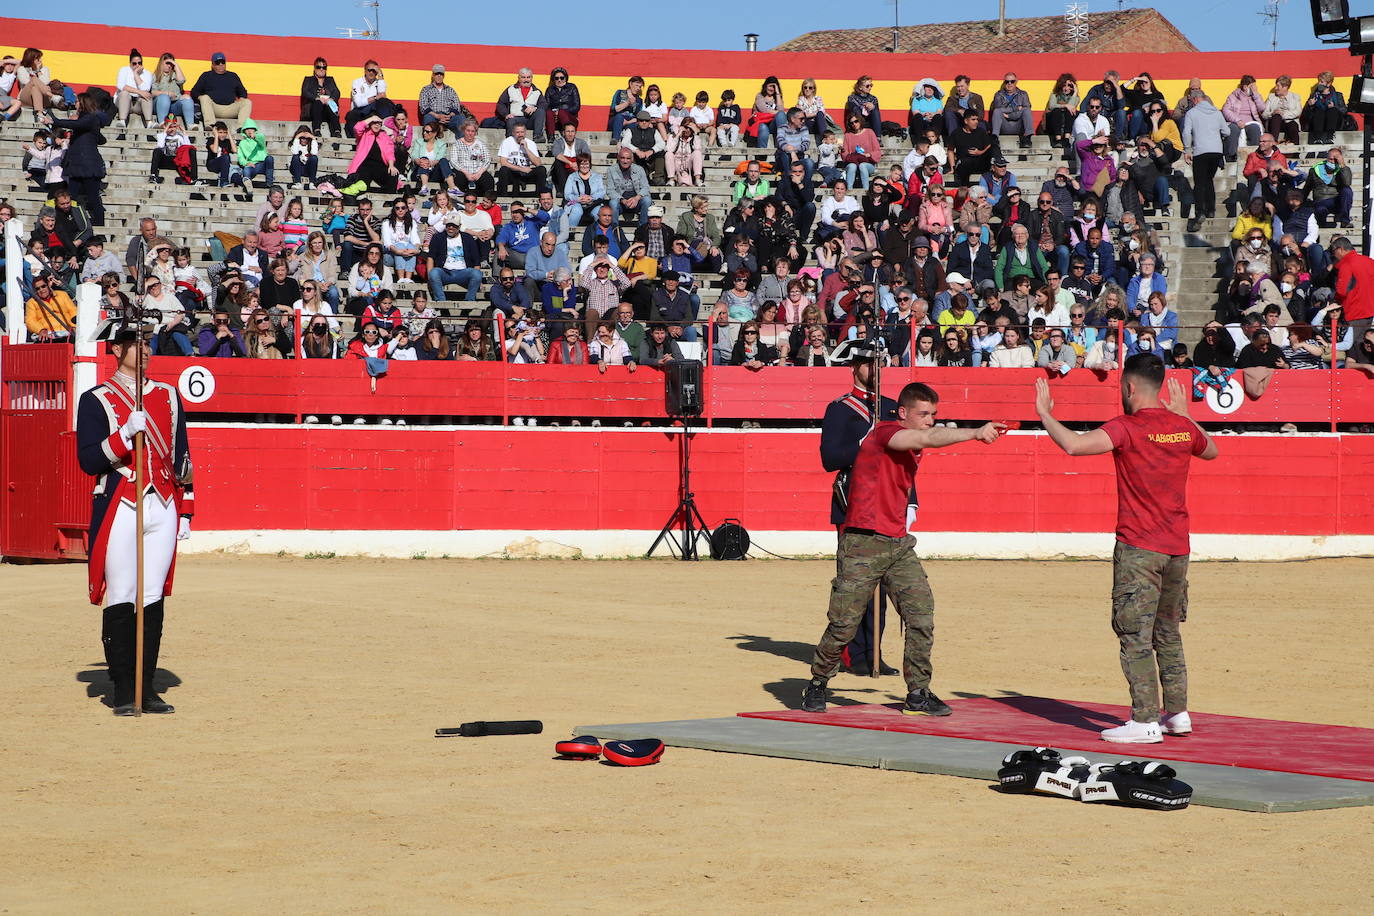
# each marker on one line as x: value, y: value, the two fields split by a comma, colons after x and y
x: 1044, y: 403
x: 1177, y: 400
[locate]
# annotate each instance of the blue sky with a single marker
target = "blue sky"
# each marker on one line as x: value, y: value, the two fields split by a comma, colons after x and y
x: 1212, y: 25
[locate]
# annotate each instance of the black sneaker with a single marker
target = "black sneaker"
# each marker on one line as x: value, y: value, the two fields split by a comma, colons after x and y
x: 924, y: 703
x: 813, y: 697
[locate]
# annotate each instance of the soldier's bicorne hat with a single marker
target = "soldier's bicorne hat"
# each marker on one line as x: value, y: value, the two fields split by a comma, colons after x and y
x: 119, y: 329
x: 862, y: 351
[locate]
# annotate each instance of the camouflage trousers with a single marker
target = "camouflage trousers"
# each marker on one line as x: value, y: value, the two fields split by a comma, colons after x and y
x: 1149, y: 601
x: 864, y: 561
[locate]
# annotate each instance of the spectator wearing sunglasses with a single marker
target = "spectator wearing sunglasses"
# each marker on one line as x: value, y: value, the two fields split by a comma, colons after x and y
x: 320, y: 99
x: 218, y: 339
x: 50, y: 314
x: 1011, y: 112
x: 221, y: 94
x: 368, y: 97
x: 133, y: 87
x: 562, y: 102
x: 1111, y: 104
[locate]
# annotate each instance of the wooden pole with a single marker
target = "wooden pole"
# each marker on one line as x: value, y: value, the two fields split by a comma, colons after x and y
x: 875, y: 642
x: 139, y: 482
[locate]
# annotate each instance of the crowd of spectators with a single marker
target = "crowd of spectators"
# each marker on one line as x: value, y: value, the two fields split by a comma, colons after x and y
x: 945, y: 256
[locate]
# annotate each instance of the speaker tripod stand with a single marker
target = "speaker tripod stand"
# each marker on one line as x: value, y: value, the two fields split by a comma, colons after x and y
x: 685, y: 526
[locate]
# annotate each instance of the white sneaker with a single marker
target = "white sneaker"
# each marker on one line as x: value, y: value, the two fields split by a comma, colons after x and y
x: 312, y: 419
x: 532, y: 421
x: 1134, y: 732
x: 1177, y: 724
x: 386, y: 421
x: 400, y: 421
x: 360, y: 422
x: 517, y: 421
x: 336, y: 420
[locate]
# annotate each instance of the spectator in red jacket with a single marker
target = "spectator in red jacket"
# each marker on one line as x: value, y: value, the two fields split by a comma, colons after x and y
x: 1354, y: 290
x: 1267, y: 154
x: 571, y: 350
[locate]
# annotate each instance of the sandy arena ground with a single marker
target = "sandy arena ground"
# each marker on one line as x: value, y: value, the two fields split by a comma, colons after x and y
x: 299, y: 773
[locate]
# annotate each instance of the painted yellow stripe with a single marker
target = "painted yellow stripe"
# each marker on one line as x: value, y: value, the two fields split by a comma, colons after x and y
x: 483, y: 88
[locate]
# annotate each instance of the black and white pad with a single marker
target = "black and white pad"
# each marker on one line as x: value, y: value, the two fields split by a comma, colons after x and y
x: 1042, y: 770
x: 1141, y: 783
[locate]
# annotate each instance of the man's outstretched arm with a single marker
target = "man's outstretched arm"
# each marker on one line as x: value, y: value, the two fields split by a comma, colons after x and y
x: 910, y: 440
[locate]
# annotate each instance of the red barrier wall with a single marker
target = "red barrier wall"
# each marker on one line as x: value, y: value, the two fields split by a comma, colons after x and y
x: 373, y: 479
x: 272, y: 66
x: 297, y: 387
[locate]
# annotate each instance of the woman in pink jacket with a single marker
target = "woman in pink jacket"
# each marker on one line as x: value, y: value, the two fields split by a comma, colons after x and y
x: 374, y: 163
x: 1243, y: 110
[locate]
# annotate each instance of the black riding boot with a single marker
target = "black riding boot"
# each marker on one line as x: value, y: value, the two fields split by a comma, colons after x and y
x: 117, y: 636
x: 152, y: 643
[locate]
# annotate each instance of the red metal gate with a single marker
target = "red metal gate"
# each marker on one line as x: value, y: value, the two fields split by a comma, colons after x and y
x: 44, y: 497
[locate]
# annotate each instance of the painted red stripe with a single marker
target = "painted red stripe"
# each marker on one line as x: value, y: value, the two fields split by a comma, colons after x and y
x: 687, y: 63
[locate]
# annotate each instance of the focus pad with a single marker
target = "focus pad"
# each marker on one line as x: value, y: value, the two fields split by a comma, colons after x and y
x: 1021, y: 770
x: 633, y: 753
x: 1143, y: 784
x: 584, y: 747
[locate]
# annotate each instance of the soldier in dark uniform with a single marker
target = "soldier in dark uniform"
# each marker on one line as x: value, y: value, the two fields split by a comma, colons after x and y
x: 106, y: 424
x: 847, y: 420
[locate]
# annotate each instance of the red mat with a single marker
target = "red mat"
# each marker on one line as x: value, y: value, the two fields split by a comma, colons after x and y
x: 1337, y: 751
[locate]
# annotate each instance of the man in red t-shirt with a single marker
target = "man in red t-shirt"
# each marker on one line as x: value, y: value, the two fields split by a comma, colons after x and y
x: 1153, y: 447
x: 875, y: 547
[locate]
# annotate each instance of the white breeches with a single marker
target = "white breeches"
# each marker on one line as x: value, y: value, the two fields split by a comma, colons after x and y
x: 159, y: 547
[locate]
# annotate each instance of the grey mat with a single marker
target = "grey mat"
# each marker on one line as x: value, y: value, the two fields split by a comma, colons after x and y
x: 1243, y: 789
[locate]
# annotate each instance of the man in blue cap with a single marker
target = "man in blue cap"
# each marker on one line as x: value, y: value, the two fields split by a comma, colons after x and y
x: 221, y: 94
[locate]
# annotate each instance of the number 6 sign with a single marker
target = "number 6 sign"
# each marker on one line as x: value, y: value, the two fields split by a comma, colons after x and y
x: 1223, y: 401
x: 196, y: 384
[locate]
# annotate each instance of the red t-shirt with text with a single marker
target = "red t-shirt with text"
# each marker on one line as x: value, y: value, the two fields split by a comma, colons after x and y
x: 1152, y: 449
x: 880, y: 482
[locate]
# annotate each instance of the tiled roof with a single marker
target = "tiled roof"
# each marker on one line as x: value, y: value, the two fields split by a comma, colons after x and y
x: 1035, y: 35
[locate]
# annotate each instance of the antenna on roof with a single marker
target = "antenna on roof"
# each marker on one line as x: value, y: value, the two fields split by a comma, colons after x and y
x: 896, y: 24
x: 1076, y: 23
x: 374, y: 26
x: 1270, y: 14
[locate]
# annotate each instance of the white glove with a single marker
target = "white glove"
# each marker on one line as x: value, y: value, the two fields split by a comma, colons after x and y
x: 137, y: 423
x: 184, y: 529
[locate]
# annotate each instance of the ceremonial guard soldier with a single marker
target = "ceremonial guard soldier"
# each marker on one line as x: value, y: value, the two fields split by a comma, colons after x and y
x: 110, y: 419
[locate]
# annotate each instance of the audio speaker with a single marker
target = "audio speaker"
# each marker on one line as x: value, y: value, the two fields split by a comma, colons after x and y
x: 682, y: 388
